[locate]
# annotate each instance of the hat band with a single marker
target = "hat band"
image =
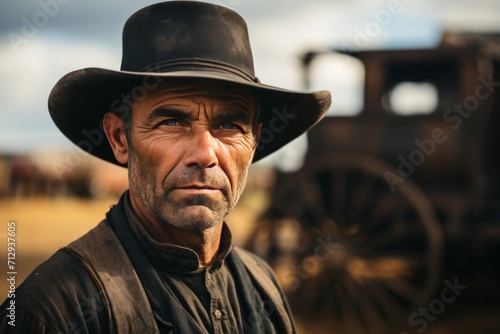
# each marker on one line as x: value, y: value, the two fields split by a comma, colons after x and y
x: 196, y: 64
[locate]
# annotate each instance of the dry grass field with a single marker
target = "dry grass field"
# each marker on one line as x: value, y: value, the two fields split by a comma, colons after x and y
x: 43, y: 225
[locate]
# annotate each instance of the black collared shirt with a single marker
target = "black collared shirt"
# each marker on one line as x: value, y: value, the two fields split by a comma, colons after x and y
x: 209, y: 295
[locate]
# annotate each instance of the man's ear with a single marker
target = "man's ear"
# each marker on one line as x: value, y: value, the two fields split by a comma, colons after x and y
x: 115, y: 132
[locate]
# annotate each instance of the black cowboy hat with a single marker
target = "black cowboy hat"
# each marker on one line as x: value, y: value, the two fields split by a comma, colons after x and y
x: 172, y: 40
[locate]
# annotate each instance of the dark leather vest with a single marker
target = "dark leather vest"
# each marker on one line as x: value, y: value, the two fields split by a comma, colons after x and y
x: 124, y: 297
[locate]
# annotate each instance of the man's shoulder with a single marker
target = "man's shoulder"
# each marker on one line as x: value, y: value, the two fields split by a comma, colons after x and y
x: 60, y: 291
x: 62, y: 273
x: 250, y: 258
x: 268, y: 283
x: 259, y: 268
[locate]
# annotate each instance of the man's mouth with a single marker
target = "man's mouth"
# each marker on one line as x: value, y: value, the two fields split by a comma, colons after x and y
x: 197, y: 188
x: 197, y: 185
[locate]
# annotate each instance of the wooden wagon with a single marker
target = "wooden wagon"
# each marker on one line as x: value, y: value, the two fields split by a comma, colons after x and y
x: 362, y: 233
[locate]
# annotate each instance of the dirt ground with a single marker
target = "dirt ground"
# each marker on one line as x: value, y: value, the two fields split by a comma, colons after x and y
x: 43, y: 225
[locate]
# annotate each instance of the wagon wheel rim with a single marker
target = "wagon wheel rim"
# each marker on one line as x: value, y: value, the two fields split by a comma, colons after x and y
x: 389, y: 247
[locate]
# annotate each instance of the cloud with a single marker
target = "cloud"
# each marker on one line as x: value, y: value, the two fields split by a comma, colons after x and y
x: 279, y: 41
x: 26, y: 80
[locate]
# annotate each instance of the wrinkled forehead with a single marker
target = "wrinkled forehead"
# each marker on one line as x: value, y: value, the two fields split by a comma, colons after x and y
x: 201, y: 92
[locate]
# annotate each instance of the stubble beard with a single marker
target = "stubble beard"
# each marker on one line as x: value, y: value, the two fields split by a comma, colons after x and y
x: 199, y: 212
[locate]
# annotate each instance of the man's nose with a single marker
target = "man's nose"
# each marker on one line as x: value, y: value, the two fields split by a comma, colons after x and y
x: 201, y: 150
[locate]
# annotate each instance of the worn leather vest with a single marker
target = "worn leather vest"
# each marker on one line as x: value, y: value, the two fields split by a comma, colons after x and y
x: 124, y: 297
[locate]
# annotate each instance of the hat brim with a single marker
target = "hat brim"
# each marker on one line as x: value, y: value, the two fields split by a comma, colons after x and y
x: 78, y: 101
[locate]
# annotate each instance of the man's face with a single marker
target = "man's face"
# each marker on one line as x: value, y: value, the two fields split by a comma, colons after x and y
x: 189, y: 152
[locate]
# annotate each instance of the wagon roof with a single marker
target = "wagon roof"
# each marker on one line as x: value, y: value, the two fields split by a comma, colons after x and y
x: 451, y: 42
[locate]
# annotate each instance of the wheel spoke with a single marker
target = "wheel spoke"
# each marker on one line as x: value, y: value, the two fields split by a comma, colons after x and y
x: 351, y: 315
x: 388, y: 304
x: 391, y: 238
x: 403, y: 288
x: 337, y: 195
x: 313, y: 199
x: 365, y: 193
x: 375, y: 320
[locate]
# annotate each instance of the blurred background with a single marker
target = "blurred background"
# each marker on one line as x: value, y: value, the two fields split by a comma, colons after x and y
x: 384, y: 219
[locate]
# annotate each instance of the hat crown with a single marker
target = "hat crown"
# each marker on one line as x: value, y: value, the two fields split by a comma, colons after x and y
x: 187, y: 35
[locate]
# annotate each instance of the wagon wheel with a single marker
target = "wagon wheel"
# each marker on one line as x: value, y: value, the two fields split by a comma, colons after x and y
x: 350, y: 250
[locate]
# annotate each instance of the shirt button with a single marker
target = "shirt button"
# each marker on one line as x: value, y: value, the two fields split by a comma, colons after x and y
x: 218, y: 314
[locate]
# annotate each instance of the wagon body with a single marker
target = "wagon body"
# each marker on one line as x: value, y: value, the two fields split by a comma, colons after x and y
x: 386, y: 204
x: 452, y: 153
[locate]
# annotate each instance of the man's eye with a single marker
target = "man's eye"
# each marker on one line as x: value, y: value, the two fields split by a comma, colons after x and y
x: 229, y: 126
x: 170, y: 122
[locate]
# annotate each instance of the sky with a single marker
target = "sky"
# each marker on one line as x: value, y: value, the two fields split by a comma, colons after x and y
x: 42, y: 40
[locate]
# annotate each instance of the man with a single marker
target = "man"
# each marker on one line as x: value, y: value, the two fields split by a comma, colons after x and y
x: 187, y: 117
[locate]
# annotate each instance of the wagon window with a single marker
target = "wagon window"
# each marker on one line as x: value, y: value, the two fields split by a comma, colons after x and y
x: 420, y: 87
x: 344, y: 77
x: 412, y: 98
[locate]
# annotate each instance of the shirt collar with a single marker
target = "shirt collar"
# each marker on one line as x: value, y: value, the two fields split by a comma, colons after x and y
x: 174, y: 258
